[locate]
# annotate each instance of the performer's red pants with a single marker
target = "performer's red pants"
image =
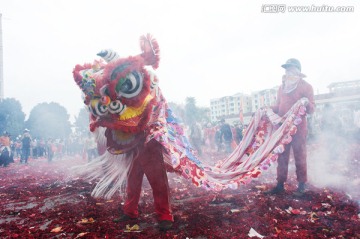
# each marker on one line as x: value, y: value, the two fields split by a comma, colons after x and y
x: 298, y: 145
x: 149, y: 162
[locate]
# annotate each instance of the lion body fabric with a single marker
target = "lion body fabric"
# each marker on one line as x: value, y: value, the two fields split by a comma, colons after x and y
x: 127, y: 111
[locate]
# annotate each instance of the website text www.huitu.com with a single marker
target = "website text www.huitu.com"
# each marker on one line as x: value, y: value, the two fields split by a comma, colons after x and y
x: 282, y: 8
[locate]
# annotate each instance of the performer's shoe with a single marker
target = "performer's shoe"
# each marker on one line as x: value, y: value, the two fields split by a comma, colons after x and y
x: 276, y: 190
x: 165, y: 225
x: 300, y: 190
x: 124, y: 218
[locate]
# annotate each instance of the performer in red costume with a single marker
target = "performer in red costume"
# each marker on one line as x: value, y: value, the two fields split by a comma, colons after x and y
x: 149, y: 162
x: 293, y: 88
x: 127, y: 116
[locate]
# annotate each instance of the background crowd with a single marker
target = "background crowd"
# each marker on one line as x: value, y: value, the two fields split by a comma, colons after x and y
x: 325, y: 125
x: 23, y: 147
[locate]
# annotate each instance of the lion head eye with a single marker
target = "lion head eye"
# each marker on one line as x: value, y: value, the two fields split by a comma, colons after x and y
x: 131, y: 85
x: 116, y: 107
x: 97, y: 109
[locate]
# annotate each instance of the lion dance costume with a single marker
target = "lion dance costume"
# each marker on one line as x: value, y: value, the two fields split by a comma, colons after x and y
x: 138, y: 134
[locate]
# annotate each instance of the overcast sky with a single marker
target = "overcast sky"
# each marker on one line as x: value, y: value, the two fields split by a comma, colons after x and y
x: 209, y: 49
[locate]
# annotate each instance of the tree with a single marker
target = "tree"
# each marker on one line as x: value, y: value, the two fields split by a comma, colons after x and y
x: 82, y: 122
x: 12, y: 117
x: 191, y: 111
x: 178, y: 110
x: 49, y: 120
x: 204, y: 114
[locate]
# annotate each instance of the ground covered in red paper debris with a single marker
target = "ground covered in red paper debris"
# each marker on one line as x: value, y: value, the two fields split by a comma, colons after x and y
x: 42, y: 200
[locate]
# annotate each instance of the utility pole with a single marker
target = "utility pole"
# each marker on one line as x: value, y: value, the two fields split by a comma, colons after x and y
x: 1, y: 62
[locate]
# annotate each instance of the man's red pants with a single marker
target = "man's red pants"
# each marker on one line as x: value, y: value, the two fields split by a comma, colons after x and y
x: 149, y: 162
x: 298, y: 145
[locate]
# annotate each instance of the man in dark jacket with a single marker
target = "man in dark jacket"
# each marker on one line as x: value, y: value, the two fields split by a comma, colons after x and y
x: 226, y: 135
x: 293, y: 88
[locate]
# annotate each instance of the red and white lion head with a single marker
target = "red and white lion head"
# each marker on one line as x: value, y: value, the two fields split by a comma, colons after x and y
x: 120, y: 93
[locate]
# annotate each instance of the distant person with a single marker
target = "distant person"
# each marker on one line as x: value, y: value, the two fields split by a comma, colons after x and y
x: 17, y: 144
x: 50, y: 149
x: 60, y: 145
x: 209, y: 137
x: 5, y: 149
x: 218, y: 140
x: 238, y: 133
x: 25, y: 146
x: 34, y: 147
x: 226, y: 135
x: 41, y: 147
x: 196, y: 136
x: 12, y: 148
x: 91, y: 147
x: 293, y: 88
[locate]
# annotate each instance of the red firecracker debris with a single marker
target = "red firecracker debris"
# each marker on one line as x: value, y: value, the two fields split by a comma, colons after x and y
x: 43, y: 200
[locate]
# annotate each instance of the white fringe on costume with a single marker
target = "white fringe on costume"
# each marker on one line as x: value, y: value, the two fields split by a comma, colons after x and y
x: 110, y: 171
x: 100, y: 136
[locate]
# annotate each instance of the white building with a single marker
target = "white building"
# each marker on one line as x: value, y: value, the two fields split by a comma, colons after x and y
x: 230, y: 106
x: 263, y: 98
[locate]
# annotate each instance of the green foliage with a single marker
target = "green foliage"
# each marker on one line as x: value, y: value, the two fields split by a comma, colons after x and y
x: 11, y: 117
x: 204, y: 114
x: 49, y: 120
x: 178, y: 111
x: 191, y: 109
x: 194, y: 113
x: 82, y: 122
